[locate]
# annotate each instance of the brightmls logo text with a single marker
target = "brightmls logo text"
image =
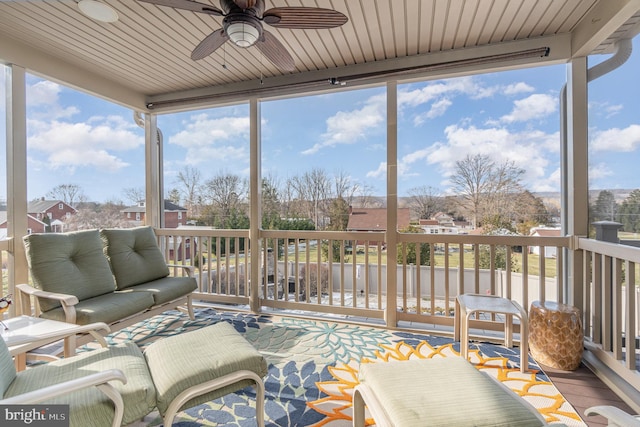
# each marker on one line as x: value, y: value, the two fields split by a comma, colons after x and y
x: 34, y: 415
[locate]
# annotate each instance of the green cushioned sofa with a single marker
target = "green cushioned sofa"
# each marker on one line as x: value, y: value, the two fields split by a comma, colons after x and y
x: 108, y: 275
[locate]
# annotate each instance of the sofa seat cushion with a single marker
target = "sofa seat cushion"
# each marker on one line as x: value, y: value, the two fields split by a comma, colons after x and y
x: 90, y: 407
x: 68, y: 263
x: 134, y: 255
x: 192, y: 358
x: 107, y: 308
x: 167, y: 289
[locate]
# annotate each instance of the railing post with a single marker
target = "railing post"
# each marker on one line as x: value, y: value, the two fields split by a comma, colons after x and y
x: 607, y: 231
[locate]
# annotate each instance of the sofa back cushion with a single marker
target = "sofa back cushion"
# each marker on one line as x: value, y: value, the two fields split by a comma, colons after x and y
x: 7, y: 368
x: 134, y: 255
x: 69, y: 263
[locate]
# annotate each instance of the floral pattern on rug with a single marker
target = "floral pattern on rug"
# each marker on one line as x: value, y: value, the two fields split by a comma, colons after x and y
x: 313, y: 368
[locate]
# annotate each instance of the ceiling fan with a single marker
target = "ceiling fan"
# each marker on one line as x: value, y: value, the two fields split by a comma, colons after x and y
x: 243, y: 25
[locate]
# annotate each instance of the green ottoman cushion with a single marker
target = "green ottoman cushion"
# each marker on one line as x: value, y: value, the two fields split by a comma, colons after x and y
x: 186, y: 360
x: 134, y: 255
x: 446, y: 391
x: 90, y: 407
x: 70, y: 263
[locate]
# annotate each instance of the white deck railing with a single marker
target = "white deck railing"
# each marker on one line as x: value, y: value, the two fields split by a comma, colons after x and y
x: 611, y: 302
x: 346, y: 273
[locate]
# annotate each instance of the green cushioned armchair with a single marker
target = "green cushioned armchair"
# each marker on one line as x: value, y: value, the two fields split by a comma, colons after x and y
x: 111, y: 276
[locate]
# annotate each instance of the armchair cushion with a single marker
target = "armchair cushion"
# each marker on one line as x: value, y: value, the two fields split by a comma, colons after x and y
x: 68, y: 263
x: 7, y: 368
x: 90, y: 407
x: 134, y: 255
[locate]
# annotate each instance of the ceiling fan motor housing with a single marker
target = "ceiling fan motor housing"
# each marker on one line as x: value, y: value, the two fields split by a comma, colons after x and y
x: 242, y: 28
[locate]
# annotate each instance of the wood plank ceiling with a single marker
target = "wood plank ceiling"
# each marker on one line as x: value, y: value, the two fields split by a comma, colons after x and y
x: 147, y: 51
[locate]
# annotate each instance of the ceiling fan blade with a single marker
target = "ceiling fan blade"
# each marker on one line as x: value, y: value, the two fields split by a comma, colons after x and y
x: 209, y: 44
x: 303, y: 17
x: 191, y: 5
x: 275, y: 52
x: 245, y: 4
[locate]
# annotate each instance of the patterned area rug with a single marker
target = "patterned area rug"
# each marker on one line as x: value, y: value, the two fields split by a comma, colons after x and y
x: 313, y: 368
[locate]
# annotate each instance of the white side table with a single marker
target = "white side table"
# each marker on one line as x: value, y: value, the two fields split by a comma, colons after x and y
x: 468, y: 304
x: 26, y: 333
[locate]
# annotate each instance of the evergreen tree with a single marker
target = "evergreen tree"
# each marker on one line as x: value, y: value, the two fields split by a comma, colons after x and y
x: 629, y: 212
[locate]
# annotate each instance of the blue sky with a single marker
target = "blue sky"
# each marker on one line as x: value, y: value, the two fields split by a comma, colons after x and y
x: 74, y: 138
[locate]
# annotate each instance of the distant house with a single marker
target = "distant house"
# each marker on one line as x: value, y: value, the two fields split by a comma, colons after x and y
x: 174, y: 215
x: 51, y: 212
x: 375, y: 219
x: 33, y: 225
x: 549, y: 251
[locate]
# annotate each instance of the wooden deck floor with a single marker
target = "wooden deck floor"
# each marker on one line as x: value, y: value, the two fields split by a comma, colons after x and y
x: 583, y: 389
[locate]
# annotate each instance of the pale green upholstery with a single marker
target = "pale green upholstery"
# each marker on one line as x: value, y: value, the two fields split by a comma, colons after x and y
x: 68, y: 263
x: 447, y: 391
x: 107, y: 308
x: 90, y: 407
x: 105, y: 276
x: 134, y: 255
x: 212, y: 352
x: 7, y: 368
x: 176, y: 372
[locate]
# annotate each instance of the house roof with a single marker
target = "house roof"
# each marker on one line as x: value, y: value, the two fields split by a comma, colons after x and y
x: 142, y: 61
x: 546, y: 232
x: 41, y: 205
x: 375, y: 219
x: 168, y: 207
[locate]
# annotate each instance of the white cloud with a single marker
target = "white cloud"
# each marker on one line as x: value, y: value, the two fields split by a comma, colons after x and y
x: 207, y: 139
x: 72, y: 145
x: 599, y: 170
x: 533, y: 107
x: 604, y: 109
x: 529, y: 150
x: 43, y: 102
x: 625, y: 140
x: 516, y: 88
x: 348, y: 127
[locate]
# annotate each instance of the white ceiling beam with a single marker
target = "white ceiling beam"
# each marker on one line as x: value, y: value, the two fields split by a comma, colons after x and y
x: 44, y: 65
x: 599, y: 23
x: 446, y: 64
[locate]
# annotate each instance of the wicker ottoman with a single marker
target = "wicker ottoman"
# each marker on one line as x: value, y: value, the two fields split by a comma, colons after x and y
x: 556, y: 338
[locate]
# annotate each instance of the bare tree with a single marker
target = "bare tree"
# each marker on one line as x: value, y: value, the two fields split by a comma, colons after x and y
x: 484, y: 187
x: 225, y: 192
x: 425, y: 201
x: 189, y: 180
x: 344, y: 187
x: 68, y: 193
x: 101, y: 216
x: 313, y: 189
x: 134, y: 194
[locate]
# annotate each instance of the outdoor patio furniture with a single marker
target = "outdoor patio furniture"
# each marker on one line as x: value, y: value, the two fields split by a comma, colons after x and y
x: 556, y: 338
x: 446, y: 391
x: 615, y: 416
x: 105, y: 276
x: 470, y: 304
x: 121, y: 384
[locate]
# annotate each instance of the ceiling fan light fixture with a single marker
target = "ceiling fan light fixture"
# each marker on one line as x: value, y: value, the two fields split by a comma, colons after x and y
x: 242, y: 34
x: 98, y: 10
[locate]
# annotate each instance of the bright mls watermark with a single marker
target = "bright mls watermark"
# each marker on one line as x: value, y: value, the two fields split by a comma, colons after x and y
x: 34, y: 415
